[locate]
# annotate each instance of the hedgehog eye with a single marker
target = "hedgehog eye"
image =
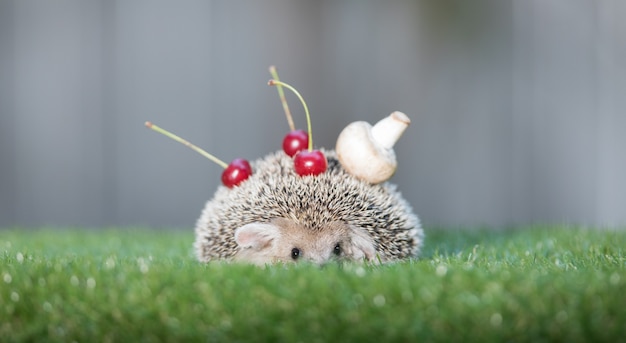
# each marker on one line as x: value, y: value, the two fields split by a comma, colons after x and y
x: 295, y: 253
x: 337, y: 250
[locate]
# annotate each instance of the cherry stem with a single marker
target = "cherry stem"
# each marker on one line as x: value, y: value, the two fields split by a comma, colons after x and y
x: 185, y: 142
x: 306, y: 109
x: 281, y: 94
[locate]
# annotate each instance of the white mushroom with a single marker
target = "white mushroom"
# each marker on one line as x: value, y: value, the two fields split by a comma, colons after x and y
x: 366, y: 151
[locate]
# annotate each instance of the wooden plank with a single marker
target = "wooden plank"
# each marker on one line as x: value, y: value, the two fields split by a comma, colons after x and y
x: 610, y: 53
x: 7, y: 116
x: 57, y: 113
x: 564, y: 118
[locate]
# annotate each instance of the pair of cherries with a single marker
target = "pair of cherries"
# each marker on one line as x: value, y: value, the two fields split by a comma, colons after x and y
x: 305, y: 162
x: 297, y: 144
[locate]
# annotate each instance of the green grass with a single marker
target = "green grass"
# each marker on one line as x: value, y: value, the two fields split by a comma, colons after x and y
x: 537, y: 284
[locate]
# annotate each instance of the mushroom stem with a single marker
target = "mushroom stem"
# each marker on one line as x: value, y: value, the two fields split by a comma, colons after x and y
x: 389, y: 129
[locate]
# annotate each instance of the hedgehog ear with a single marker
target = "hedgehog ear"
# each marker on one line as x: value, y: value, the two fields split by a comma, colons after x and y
x: 256, y: 236
x: 362, y: 246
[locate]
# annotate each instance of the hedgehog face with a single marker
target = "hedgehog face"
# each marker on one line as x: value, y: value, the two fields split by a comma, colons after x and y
x: 285, y: 241
x: 338, y: 202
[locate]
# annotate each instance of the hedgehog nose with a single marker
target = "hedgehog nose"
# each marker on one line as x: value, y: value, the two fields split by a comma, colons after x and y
x: 318, y: 261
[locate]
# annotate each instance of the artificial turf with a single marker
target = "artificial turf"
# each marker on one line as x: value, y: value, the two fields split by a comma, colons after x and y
x: 540, y: 283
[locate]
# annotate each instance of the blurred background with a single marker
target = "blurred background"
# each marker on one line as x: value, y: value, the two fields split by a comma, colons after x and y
x: 518, y: 107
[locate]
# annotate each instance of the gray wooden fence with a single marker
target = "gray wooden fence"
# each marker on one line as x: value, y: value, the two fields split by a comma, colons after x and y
x: 518, y: 107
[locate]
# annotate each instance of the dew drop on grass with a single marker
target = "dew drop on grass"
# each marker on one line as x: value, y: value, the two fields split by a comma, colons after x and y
x: 173, y: 322
x: 496, y: 319
x: 74, y: 280
x: 91, y: 283
x: 614, y: 279
x: 226, y: 323
x: 15, y: 296
x: 379, y: 300
x: 19, y: 257
x: 441, y: 270
x: 7, y: 278
x: 47, y: 307
x: 493, y: 287
x: 109, y: 263
x: 143, y: 265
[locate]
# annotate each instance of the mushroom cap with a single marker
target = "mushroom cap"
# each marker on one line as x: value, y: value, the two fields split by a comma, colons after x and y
x: 362, y: 156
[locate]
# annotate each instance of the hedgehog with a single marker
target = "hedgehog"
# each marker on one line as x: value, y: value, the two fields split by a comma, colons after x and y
x: 278, y: 216
x: 316, y: 205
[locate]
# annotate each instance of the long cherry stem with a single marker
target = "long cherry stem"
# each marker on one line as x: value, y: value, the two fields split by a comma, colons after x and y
x: 187, y: 143
x: 281, y: 94
x: 306, y: 109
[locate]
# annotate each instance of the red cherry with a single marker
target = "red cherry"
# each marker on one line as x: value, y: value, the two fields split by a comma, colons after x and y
x: 310, y: 162
x: 295, y: 141
x: 237, y: 171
